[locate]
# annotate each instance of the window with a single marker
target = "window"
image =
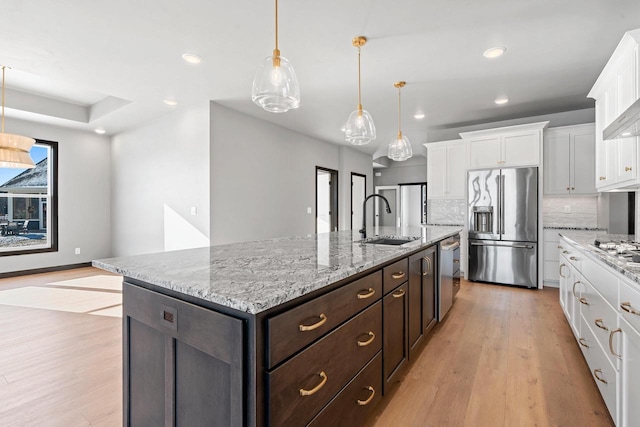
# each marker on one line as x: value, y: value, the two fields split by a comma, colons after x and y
x: 28, y: 204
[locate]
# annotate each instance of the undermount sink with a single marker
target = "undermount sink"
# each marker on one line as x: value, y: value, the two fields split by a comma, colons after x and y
x: 392, y: 241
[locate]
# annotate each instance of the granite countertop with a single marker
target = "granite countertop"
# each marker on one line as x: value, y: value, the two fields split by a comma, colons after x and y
x: 586, y: 242
x: 564, y: 227
x: 256, y: 276
x: 444, y: 225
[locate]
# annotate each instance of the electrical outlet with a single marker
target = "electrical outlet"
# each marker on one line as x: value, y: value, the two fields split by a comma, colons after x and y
x: 77, y: 251
x: 567, y: 209
x: 194, y: 210
x: 309, y: 210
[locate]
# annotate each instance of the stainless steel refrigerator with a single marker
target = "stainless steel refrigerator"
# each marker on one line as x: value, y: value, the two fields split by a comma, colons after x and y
x: 503, y: 226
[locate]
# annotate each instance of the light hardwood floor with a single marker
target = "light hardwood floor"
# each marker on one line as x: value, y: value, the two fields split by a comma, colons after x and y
x: 503, y: 357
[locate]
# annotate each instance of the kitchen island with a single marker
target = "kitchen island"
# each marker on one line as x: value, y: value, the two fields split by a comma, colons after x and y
x: 284, y: 331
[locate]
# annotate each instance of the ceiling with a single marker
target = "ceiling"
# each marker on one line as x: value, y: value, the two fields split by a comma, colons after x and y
x: 111, y: 64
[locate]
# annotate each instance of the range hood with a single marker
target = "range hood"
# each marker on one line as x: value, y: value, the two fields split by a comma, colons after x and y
x: 625, y: 125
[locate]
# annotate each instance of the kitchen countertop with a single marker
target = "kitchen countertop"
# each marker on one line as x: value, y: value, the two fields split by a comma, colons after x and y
x: 445, y: 225
x: 256, y: 276
x: 563, y: 227
x: 585, y: 242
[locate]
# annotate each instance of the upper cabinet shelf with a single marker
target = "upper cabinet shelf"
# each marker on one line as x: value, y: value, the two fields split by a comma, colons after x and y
x: 617, y: 160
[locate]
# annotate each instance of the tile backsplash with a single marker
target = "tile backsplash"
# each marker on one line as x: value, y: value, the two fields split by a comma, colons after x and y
x: 446, y: 212
x: 583, y: 211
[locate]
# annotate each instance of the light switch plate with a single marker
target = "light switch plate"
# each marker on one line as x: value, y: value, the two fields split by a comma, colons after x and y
x: 567, y: 209
x: 309, y: 210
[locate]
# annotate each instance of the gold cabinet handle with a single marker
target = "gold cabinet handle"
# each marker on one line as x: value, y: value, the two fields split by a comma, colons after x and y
x: 314, y: 390
x: 568, y: 189
x: 369, y: 293
x: 573, y: 290
x: 369, y: 399
x: 399, y: 294
x: 626, y: 306
x: 398, y: 275
x: 367, y: 342
x: 560, y: 272
x: 560, y: 247
x: 599, y: 323
x: 583, y: 300
x: 426, y: 258
x: 573, y: 188
x: 565, y: 252
x: 583, y: 342
x: 595, y: 374
x: 627, y: 169
x: 323, y: 320
x: 611, y: 334
x: 573, y: 258
x: 602, y: 178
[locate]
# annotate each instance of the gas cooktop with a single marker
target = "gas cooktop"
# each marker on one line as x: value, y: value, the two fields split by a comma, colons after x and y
x: 622, y: 249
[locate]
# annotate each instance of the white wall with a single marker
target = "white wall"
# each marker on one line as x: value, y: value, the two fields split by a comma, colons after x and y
x: 83, y: 197
x: 159, y: 172
x: 358, y: 162
x: 403, y: 173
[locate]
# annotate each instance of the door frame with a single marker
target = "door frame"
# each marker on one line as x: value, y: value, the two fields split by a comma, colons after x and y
x: 376, y: 220
x: 333, y: 203
x: 351, y: 198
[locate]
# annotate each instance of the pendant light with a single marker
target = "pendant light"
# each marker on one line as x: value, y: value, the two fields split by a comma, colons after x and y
x: 359, y: 129
x: 14, y: 149
x: 400, y: 147
x: 275, y: 86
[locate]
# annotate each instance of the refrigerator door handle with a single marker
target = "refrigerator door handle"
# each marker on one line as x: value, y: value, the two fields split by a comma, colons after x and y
x: 510, y: 245
x: 501, y: 230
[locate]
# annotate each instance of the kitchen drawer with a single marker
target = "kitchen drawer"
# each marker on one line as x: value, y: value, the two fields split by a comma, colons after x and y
x: 603, y: 373
x: 605, y: 281
x: 574, y: 257
x: 629, y: 305
x: 395, y: 274
x: 600, y: 316
x: 301, y: 387
x: 284, y: 334
x: 355, y: 403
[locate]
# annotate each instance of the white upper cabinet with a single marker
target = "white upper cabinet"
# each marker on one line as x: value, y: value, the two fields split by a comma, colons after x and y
x: 504, y: 147
x: 569, y: 160
x: 446, y: 169
x: 617, y: 160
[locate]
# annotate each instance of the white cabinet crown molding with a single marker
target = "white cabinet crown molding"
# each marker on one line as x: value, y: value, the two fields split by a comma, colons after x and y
x: 504, y: 130
x: 629, y: 40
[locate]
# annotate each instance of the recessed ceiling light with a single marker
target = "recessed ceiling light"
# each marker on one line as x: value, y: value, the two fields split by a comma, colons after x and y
x: 100, y: 131
x: 170, y: 102
x: 626, y: 134
x: 501, y: 100
x: 419, y: 116
x: 494, y: 52
x: 191, y: 58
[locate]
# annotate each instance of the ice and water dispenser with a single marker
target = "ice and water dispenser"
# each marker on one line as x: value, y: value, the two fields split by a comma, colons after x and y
x: 482, y: 219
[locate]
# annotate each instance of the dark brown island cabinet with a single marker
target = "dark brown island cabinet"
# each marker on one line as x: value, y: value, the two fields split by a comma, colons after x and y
x: 324, y: 359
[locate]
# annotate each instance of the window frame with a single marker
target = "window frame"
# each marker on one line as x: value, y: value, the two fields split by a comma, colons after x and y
x: 52, y: 205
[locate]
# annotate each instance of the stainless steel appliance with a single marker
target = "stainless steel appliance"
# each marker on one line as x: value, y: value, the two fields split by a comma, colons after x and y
x: 449, y: 283
x: 503, y: 226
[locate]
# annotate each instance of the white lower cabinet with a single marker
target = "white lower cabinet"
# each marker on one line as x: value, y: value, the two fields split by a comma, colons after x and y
x: 603, y: 309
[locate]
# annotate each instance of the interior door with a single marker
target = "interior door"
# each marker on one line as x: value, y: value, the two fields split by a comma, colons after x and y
x: 358, y: 192
x: 382, y: 218
x: 326, y: 200
x: 411, y: 206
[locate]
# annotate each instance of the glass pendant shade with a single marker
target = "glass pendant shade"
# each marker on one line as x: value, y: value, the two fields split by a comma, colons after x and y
x: 400, y: 149
x: 360, y: 129
x: 275, y: 86
x: 14, y: 151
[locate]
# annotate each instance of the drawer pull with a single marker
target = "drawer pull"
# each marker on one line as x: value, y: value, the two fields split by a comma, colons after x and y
x: 627, y: 169
x: 367, y: 342
x: 599, y: 323
x: 573, y: 290
x: 626, y: 306
x: 573, y: 258
x: 565, y: 252
x: 560, y: 272
x: 314, y: 390
x: 399, y: 294
x: 323, y: 320
x: 398, y: 275
x: 595, y: 374
x: 369, y: 294
x: 583, y: 342
x: 611, y: 334
x: 369, y: 399
x: 560, y: 247
x: 583, y: 300
x: 426, y: 258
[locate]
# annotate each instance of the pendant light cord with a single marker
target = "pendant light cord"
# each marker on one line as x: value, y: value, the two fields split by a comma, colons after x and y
x: 399, y: 107
x: 276, y: 25
x: 3, y: 67
x: 359, y: 87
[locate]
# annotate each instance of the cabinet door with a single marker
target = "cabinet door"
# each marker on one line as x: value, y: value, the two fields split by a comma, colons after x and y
x: 437, y: 172
x: 395, y: 334
x: 601, y: 148
x: 415, y: 301
x: 583, y: 163
x: 627, y: 159
x: 429, y: 274
x: 485, y: 152
x: 610, y: 103
x: 629, y: 375
x: 611, y: 147
x: 626, y: 83
x: 564, y: 272
x: 521, y: 149
x: 556, y: 163
x: 456, y: 171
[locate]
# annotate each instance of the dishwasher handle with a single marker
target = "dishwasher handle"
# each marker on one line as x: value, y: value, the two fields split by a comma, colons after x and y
x: 451, y: 246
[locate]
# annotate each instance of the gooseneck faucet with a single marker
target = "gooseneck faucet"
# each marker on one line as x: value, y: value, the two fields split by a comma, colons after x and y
x: 363, y: 230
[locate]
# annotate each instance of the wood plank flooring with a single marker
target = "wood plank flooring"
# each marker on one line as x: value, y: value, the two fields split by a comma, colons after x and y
x: 503, y: 357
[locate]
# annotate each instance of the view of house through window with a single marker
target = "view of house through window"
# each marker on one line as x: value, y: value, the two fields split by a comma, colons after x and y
x: 25, y: 199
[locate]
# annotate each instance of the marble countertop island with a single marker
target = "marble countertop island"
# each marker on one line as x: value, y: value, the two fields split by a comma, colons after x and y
x: 255, y: 276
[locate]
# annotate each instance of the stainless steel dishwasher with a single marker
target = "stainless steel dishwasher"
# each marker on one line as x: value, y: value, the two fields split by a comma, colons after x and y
x: 449, y: 282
